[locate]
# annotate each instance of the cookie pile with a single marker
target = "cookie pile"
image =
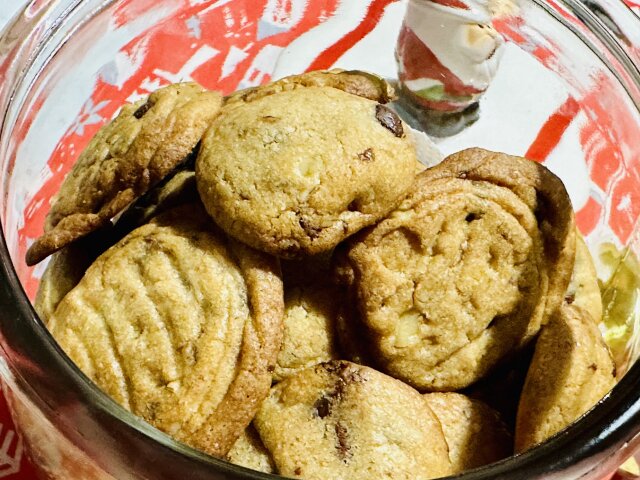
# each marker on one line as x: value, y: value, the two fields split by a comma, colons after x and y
x: 274, y: 278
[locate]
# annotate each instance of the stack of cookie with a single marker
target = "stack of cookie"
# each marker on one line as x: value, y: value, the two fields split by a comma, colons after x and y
x: 274, y: 278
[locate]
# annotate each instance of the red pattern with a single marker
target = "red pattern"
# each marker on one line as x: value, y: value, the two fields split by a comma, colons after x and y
x: 170, y: 47
x: 330, y: 55
x: 588, y: 216
x: 551, y: 132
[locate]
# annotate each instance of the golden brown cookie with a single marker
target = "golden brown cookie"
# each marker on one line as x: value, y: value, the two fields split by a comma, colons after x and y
x: 64, y: 270
x: 250, y: 452
x: 310, y: 311
x: 295, y: 173
x: 474, y: 432
x: 67, y: 266
x: 342, y: 420
x: 583, y: 290
x: 570, y: 372
x: 355, y: 82
x: 145, y: 142
x: 180, y: 326
x: 465, y: 270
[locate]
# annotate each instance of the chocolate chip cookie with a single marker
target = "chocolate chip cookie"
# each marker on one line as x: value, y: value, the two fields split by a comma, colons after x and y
x: 296, y: 172
x: 145, y: 142
x: 465, y: 270
x: 180, y: 326
x: 342, y: 420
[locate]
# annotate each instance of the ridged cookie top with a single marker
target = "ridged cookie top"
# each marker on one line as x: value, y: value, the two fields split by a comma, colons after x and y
x: 145, y: 142
x: 342, y: 420
x: 296, y: 172
x: 465, y: 270
x: 67, y: 266
x: 179, y: 326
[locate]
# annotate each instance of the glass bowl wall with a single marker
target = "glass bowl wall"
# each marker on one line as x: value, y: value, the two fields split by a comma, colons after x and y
x: 567, y: 94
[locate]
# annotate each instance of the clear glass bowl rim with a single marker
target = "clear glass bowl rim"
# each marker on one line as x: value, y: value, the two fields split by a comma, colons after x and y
x: 609, y: 432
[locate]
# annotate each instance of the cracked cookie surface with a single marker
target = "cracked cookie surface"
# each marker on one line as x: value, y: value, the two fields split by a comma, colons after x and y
x: 296, y: 172
x: 180, y: 326
x: 130, y: 154
x: 342, y: 420
x: 465, y: 270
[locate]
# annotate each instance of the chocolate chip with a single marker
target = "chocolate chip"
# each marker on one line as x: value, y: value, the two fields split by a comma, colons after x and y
x: 593, y: 367
x: 367, y: 155
x: 298, y: 471
x: 311, y: 230
x: 389, y: 120
x: 471, y: 217
x: 144, y: 108
x: 352, y: 375
x: 323, y: 407
x: 570, y: 298
x: 342, y: 435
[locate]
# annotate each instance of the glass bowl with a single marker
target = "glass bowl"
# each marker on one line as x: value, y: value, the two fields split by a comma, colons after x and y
x: 567, y: 93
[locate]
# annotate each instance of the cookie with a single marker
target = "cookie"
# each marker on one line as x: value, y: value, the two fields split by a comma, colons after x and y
x: 342, y: 420
x: 173, y: 191
x: 474, y: 432
x: 295, y: 173
x: 64, y: 270
x: 145, y: 142
x: 355, y: 82
x: 179, y: 326
x: 571, y: 371
x: 250, y: 452
x: 583, y: 290
x: 465, y: 271
x: 310, y: 311
x: 67, y: 266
